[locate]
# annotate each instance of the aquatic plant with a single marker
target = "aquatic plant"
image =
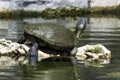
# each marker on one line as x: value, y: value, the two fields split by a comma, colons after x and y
x: 114, y: 10
x: 5, y: 13
x: 68, y: 11
x: 93, y: 63
x: 96, y: 50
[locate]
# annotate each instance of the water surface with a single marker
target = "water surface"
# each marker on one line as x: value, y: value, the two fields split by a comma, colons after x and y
x: 99, y: 30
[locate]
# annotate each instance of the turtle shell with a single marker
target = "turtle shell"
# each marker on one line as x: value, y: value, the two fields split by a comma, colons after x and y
x: 53, y: 34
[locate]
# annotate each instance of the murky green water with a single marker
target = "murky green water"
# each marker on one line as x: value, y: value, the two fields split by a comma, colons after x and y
x: 98, y: 30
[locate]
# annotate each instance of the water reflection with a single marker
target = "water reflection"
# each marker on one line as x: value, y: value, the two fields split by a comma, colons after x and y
x: 10, y: 29
x: 99, y: 30
x: 9, y: 68
x: 54, y: 68
x: 104, y: 31
x: 32, y: 60
x: 47, y: 69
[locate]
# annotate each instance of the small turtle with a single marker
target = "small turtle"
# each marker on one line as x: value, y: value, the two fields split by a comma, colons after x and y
x: 48, y: 37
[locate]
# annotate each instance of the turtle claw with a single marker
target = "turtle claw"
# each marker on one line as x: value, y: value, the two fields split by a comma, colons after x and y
x: 32, y: 55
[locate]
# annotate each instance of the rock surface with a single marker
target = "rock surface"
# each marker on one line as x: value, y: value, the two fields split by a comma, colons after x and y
x: 105, y: 3
x: 8, y: 47
x: 93, y: 53
x: 88, y: 54
x: 4, y: 5
x: 39, y: 5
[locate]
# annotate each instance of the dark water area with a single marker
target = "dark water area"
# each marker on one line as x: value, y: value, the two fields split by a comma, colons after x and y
x: 99, y: 30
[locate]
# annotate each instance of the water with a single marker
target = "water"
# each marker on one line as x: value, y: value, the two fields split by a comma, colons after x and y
x: 103, y: 30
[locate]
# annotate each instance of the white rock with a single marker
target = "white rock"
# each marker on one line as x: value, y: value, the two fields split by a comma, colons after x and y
x: 84, y: 51
x: 4, y: 5
x: 9, y: 47
x: 104, y: 3
x: 81, y: 56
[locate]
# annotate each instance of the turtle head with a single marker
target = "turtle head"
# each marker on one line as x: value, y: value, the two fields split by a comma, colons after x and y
x: 80, y: 26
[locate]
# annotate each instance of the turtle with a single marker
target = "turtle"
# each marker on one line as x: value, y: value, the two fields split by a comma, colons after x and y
x: 48, y: 37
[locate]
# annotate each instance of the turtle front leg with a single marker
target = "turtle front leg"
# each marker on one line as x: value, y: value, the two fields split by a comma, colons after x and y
x: 33, y: 51
x: 32, y: 60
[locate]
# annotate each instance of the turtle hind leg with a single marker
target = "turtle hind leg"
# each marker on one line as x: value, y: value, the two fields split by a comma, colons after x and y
x: 33, y: 51
x: 22, y: 39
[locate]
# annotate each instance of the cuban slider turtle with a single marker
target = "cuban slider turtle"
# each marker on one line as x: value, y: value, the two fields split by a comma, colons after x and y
x: 48, y: 37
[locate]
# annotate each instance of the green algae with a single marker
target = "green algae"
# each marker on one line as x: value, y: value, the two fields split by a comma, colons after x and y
x: 68, y: 11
